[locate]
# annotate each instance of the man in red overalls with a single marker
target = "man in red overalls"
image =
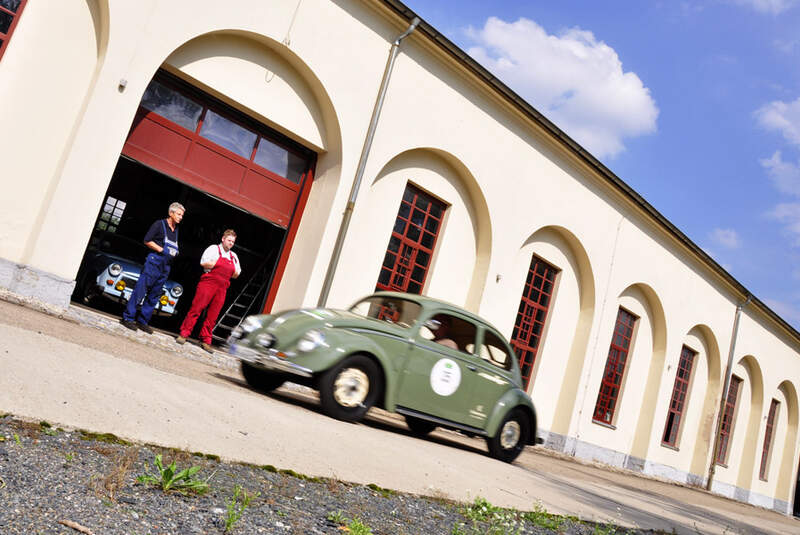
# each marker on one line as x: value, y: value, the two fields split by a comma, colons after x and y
x: 221, y: 265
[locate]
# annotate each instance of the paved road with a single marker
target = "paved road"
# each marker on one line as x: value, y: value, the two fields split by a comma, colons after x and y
x: 103, y: 378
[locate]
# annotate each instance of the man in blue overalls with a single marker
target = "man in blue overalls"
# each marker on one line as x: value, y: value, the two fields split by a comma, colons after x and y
x: 162, y: 239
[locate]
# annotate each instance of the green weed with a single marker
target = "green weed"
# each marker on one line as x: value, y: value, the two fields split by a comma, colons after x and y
x: 541, y: 518
x: 386, y: 493
x: 337, y: 517
x: 488, y: 519
x: 108, y: 438
x: 169, y: 478
x: 47, y: 429
x: 237, y: 506
x: 357, y: 527
x: 209, y: 456
x: 17, y: 440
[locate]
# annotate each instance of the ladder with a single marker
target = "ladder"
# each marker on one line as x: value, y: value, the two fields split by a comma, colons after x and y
x: 241, y: 307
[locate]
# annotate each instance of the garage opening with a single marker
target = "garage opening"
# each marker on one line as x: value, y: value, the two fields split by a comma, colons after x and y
x: 229, y: 171
x: 139, y: 195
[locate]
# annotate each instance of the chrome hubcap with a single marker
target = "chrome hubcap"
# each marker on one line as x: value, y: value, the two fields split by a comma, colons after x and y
x: 351, y: 387
x: 509, y: 435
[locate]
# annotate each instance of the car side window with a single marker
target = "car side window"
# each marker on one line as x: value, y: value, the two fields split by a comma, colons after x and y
x: 450, y: 331
x: 493, y: 350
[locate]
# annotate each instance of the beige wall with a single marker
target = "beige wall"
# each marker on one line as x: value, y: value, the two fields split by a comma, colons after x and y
x: 47, y: 72
x: 313, y: 73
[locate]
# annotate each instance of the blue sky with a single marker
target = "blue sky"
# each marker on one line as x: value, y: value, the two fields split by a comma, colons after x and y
x: 696, y: 105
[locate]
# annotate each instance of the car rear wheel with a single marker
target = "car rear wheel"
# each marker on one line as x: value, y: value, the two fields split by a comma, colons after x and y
x: 418, y: 426
x: 511, y: 437
x: 349, y: 389
x: 262, y: 380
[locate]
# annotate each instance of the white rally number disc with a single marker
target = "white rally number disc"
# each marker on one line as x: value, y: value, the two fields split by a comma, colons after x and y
x: 445, y: 377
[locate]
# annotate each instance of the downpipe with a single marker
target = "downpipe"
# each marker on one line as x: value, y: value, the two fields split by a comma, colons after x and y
x: 718, y: 427
x: 362, y: 163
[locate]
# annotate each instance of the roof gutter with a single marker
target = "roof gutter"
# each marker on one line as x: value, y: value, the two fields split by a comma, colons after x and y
x: 521, y: 105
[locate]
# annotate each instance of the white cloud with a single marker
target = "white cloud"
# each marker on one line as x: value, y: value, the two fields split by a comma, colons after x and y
x: 575, y: 80
x: 783, y: 117
x: 725, y: 237
x: 787, y: 47
x: 785, y: 175
x: 768, y: 6
x: 789, y: 215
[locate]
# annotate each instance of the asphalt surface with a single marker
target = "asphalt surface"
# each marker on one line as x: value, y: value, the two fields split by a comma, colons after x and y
x: 86, y: 371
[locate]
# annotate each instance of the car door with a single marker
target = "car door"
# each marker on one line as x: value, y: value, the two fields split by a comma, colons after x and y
x: 492, y: 378
x: 439, y: 373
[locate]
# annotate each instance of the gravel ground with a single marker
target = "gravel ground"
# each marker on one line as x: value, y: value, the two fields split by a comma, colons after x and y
x: 54, y: 481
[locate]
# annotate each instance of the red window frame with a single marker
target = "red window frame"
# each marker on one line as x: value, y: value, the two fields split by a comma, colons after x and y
x: 413, y: 240
x: 680, y: 392
x: 773, y: 413
x: 610, y: 385
x: 5, y: 38
x: 726, y: 429
x: 532, y: 314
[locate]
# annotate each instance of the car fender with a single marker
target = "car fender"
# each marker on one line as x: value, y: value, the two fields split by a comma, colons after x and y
x: 341, y: 347
x: 509, y: 401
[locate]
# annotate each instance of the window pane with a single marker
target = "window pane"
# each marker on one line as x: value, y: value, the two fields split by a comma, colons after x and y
x: 280, y: 161
x: 5, y: 21
x: 228, y: 134
x: 10, y: 5
x: 171, y: 105
x: 297, y: 168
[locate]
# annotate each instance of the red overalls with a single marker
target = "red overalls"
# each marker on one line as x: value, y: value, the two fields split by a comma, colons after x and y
x: 210, y: 293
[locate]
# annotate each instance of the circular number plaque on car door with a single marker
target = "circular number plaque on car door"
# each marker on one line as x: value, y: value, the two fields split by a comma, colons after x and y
x: 445, y: 377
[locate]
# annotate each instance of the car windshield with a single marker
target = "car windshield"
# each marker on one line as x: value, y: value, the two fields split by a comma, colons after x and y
x: 401, y: 312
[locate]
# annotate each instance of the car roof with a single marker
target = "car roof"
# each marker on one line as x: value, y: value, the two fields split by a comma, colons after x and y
x: 429, y: 302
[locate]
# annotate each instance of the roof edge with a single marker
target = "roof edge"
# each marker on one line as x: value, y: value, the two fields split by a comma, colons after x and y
x: 522, y: 105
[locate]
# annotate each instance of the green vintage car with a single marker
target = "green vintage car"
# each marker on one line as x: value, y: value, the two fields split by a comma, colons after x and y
x: 432, y: 362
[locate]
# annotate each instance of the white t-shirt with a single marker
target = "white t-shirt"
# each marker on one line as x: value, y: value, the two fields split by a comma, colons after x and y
x: 211, y: 255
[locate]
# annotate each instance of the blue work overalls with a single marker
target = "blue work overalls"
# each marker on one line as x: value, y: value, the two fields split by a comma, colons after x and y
x: 151, y: 281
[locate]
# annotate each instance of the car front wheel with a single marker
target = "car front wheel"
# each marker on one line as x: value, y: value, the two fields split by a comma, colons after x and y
x: 349, y: 389
x: 261, y: 379
x: 511, y: 437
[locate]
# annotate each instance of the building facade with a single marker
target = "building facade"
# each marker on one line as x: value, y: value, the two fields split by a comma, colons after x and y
x: 257, y: 112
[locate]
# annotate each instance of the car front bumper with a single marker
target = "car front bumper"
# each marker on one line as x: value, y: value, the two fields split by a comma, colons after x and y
x: 269, y: 359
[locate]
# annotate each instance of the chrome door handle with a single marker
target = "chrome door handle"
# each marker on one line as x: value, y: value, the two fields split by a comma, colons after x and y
x: 471, y: 367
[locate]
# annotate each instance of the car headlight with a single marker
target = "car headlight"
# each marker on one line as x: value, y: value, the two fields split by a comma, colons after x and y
x: 310, y: 341
x: 176, y: 290
x: 265, y: 340
x: 250, y: 324
x: 114, y: 270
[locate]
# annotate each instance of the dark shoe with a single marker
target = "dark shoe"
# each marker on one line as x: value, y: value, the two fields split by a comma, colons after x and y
x: 144, y: 327
x: 207, y: 347
x: 129, y: 324
x: 181, y: 340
